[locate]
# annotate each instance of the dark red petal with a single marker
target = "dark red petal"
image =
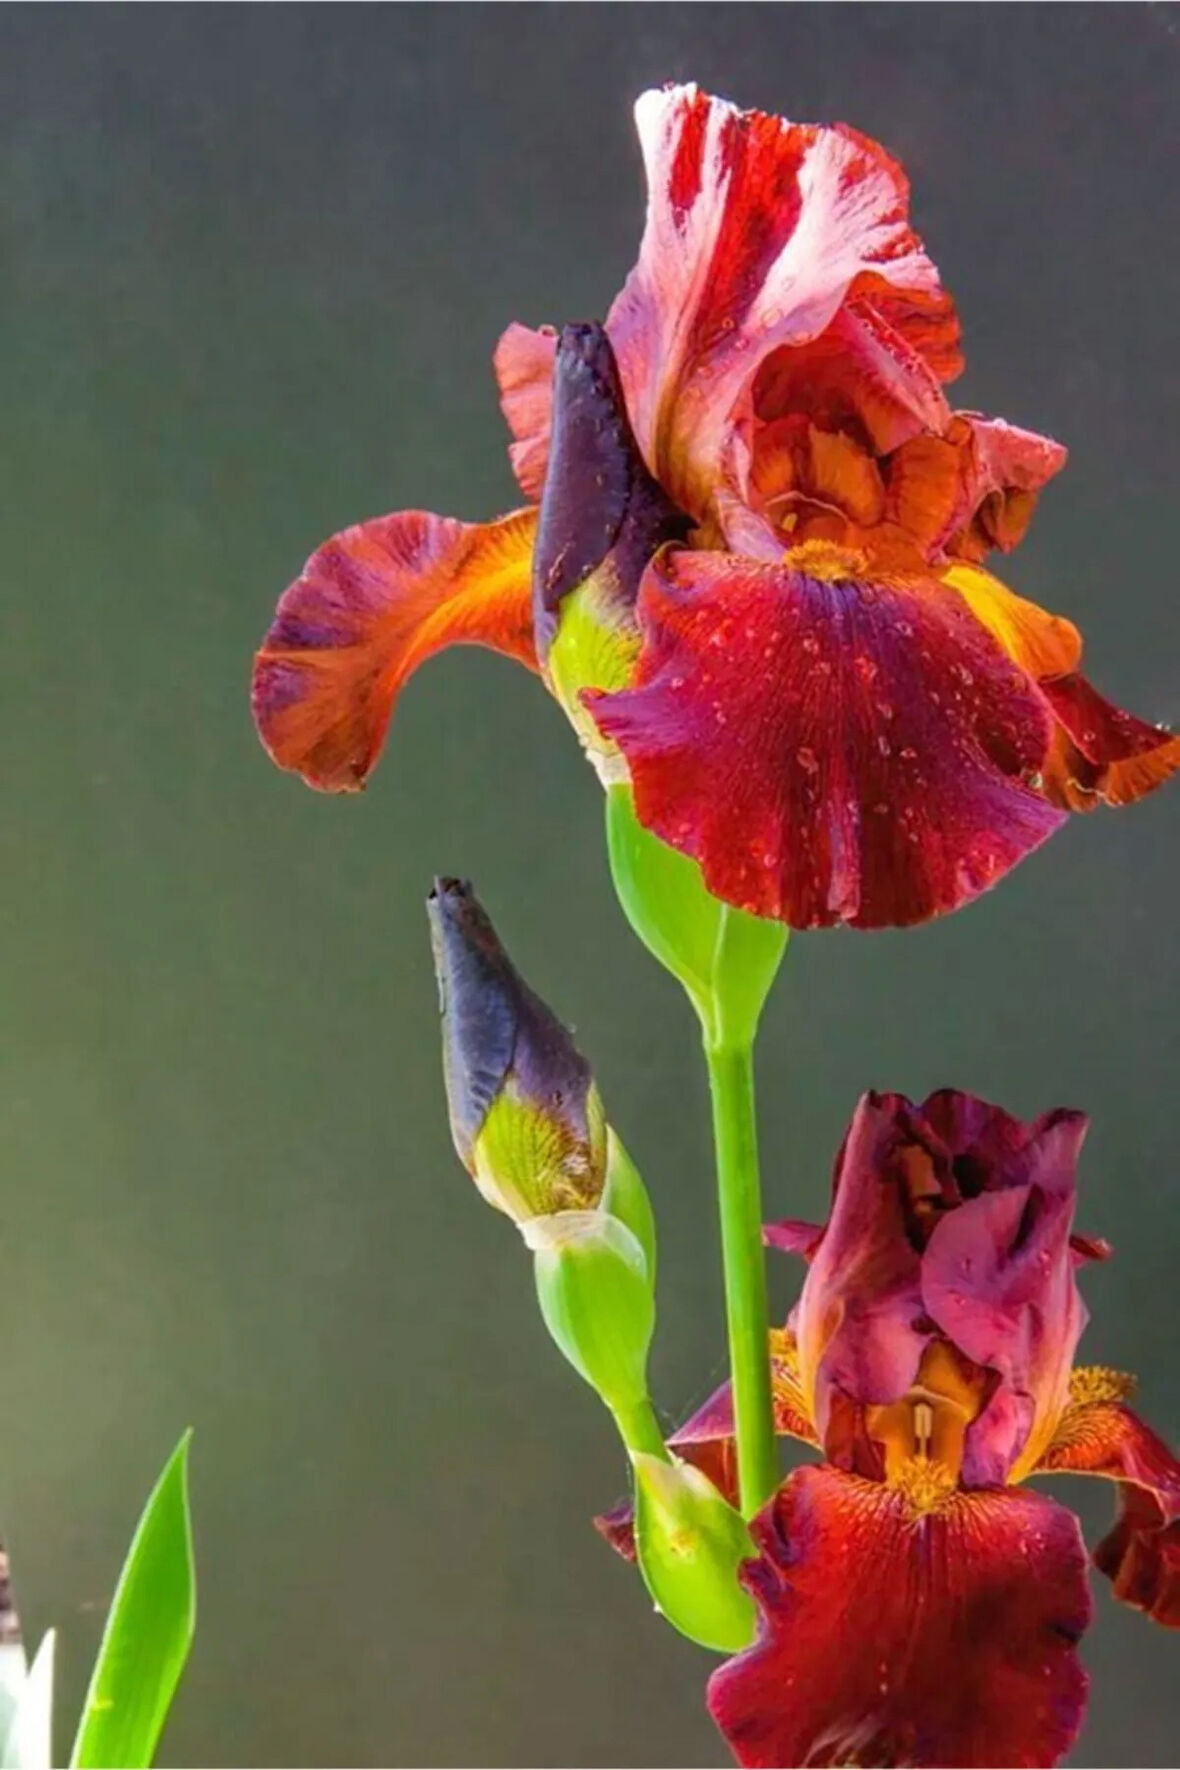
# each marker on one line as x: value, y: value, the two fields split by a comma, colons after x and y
x: 998, y: 1279
x: 830, y: 749
x: 617, y: 1527
x: 370, y: 605
x: 859, y: 1319
x: 758, y: 231
x: 1141, y: 1554
x: 523, y: 362
x: 1106, y: 755
x: 792, y: 1236
x: 946, y: 1639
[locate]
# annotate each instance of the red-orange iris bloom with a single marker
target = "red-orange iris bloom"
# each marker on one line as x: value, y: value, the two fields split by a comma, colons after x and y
x: 918, y: 1605
x: 822, y: 696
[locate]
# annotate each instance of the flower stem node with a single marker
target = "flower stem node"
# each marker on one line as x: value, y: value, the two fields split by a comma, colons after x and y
x: 595, y: 1291
x: 690, y: 1544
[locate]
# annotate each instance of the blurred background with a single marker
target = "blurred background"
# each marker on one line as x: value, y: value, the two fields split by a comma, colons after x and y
x: 253, y: 261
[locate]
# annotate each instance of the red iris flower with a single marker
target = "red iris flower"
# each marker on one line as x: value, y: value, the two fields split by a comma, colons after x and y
x: 919, y: 1605
x: 813, y: 685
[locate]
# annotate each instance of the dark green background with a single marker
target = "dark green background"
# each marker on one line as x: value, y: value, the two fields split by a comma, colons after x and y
x: 252, y: 264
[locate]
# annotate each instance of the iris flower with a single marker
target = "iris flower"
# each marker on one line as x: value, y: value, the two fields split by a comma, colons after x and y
x: 918, y: 1603
x: 800, y: 663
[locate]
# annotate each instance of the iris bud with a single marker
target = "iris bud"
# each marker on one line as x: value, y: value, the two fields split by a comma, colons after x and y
x: 690, y: 1543
x: 526, y: 1119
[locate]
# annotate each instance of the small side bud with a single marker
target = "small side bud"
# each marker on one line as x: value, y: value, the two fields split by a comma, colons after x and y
x: 690, y: 1543
x: 596, y: 1297
x: 526, y: 1119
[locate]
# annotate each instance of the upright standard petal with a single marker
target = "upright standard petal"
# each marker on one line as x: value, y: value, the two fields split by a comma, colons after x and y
x: 1100, y: 1435
x: 370, y: 605
x: 831, y: 742
x: 758, y: 231
x: 891, y: 1637
x: 523, y: 362
x: 998, y: 1280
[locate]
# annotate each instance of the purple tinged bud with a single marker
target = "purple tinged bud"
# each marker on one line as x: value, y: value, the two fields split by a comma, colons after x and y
x: 526, y: 1119
x: 599, y: 499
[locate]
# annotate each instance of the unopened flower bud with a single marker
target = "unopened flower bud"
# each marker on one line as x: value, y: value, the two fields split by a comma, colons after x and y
x: 690, y: 1543
x: 526, y: 1118
x: 595, y: 1293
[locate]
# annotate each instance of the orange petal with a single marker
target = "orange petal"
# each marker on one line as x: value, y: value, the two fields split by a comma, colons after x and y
x: 1041, y: 643
x: 369, y: 606
x: 1101, y: 753
x: 1098, y: 753
x: 1141, y: 1554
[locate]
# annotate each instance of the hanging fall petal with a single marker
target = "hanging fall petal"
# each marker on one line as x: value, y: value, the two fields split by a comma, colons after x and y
x: 832, y: 743
x: 891, y: 1637
x: 370, y: 605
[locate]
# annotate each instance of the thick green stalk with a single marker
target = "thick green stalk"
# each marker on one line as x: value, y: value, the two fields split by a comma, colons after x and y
x: 731, y: 1084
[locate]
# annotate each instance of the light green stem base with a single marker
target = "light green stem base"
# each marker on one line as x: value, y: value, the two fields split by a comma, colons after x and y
x: 640, y: 1430
x: 731, y: 1082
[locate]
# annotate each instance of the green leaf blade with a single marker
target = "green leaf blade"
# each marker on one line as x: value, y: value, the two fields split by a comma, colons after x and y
x: 148, y: 1633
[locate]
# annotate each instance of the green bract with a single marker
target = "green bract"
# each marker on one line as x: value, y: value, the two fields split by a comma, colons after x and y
x: 690, y: 1543
x: 596, y: 1298
x: 725, y: 958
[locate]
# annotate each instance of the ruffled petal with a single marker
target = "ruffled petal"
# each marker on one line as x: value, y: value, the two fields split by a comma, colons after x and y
x: 370, y: 605
x: 1102, y: 755
x: 970, y: 486
x: 998, y: 1280
x: 859, y: 376
x: 1098, y: 753
x: 888, y: 1638
x: 832, y: 743
x: 859, y: 1317
x: 523, y: 362
x: 1141, y: 1554
x: 758, y: 231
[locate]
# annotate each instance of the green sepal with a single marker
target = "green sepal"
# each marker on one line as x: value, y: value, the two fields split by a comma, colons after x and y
x: 690, y: 1543
x: 625, y: 1197
x: 596, y: 1299
x: 725, y: 958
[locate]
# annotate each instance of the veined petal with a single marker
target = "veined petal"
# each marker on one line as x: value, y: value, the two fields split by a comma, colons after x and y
x: 1102, y: 1436
x: 970, y: 485
x: 892, y: 1638
x: 370, y: 605
x: 832, y: 743
x: 1098, y: 754
x: 758, y: 230
x: 523, y: 362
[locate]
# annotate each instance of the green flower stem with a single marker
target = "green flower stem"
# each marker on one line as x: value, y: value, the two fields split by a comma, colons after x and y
x: 731, y: 1083
x: 640, y: 1430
